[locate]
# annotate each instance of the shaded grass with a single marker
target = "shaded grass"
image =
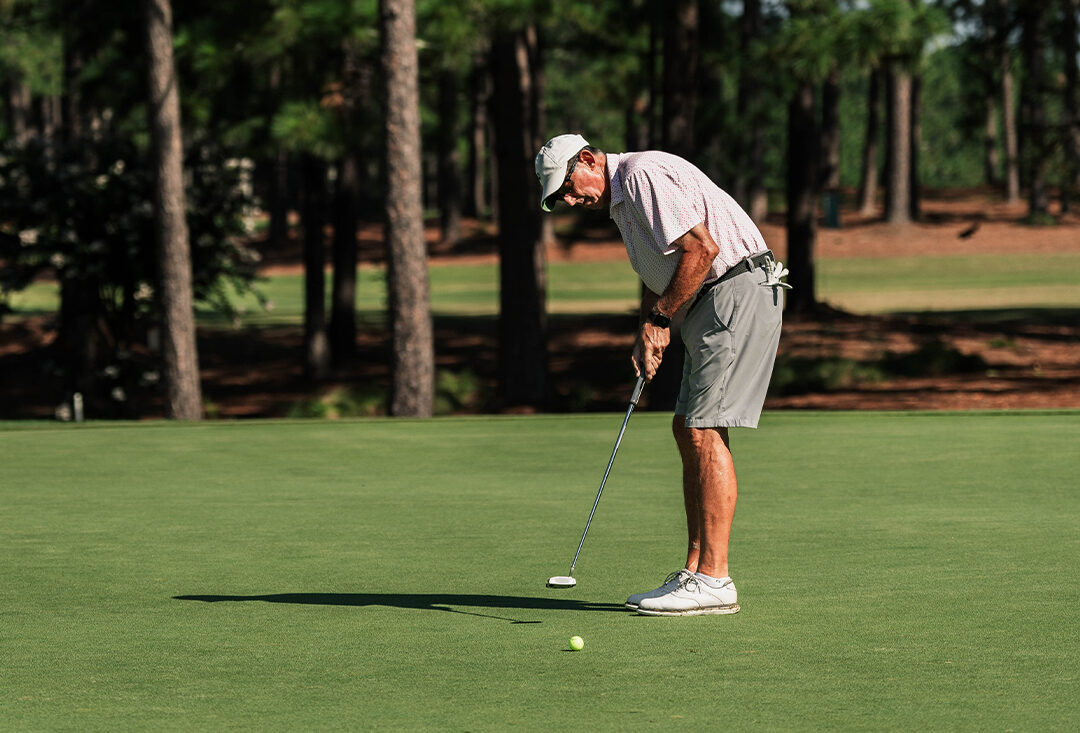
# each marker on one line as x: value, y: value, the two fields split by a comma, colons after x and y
x: 934, y: 358
x: 895, y: 570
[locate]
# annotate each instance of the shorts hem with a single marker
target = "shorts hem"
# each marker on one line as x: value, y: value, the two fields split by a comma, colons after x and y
x: 720, y: 422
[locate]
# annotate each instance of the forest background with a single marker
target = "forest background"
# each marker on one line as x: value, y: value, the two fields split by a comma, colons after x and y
x: 316, y: 134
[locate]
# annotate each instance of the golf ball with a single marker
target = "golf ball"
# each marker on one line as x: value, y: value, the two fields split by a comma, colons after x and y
x: 576, y: 643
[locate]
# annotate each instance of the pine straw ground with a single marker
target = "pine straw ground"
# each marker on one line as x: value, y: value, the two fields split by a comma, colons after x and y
x: 832, y: 361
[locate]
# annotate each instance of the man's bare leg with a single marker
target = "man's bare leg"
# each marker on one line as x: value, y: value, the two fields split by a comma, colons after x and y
x: 710, y: 490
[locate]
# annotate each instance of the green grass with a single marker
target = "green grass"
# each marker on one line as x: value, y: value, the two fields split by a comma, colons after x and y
x: 896, y: 571
x: 858, y: 284
x: 950, y: 282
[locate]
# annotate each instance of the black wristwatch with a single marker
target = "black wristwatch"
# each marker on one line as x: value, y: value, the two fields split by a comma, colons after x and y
x: 658, y: 319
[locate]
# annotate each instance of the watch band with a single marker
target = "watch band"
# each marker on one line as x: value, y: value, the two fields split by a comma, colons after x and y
x: 658, y: 319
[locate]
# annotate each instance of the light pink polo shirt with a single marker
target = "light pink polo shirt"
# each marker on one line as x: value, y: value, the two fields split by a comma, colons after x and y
x: 658, y: 197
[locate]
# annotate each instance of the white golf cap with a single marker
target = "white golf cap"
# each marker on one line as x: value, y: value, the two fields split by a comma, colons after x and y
x: 551, y: 163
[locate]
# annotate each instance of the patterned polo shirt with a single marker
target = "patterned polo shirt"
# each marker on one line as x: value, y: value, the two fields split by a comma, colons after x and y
x: 656, y: 198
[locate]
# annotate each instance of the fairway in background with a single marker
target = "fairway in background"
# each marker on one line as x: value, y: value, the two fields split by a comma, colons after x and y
x: 895, y: 571
x: 858, y: 284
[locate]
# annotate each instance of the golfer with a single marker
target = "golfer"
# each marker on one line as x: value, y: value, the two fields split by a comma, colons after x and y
x: 695, y: 249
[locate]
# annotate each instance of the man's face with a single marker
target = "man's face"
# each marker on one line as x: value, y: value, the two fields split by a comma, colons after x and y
x: 586, y: 183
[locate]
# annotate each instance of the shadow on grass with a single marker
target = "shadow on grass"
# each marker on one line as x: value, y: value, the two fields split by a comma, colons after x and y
x: 421, y: 601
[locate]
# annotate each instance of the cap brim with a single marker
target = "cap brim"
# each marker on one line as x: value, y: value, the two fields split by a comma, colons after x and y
x: 550, y: 190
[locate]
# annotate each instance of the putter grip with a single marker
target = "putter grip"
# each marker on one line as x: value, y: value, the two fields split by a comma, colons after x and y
x: 637, y: 391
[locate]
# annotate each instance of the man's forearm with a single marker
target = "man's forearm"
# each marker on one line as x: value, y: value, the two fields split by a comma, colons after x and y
x: 698, y: 252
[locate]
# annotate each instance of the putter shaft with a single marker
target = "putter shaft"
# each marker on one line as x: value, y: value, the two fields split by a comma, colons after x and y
x: 633, y: 403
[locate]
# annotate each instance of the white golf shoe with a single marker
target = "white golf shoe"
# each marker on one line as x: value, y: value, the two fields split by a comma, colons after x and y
x: 671, y: 583
x: 692, y: 597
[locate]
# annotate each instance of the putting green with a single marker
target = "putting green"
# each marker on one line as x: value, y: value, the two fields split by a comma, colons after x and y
x: 895, y: 571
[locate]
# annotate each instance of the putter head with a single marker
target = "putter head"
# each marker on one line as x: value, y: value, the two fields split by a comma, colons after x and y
x: 561, y: 581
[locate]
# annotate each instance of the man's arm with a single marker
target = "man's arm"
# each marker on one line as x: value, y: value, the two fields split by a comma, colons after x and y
x: 698, y: 250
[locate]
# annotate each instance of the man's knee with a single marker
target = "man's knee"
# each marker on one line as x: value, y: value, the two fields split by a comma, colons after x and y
x: 696, y: 439
x: 680, y: 431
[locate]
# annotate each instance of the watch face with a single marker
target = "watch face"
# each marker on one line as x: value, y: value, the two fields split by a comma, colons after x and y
x: 659, y: 319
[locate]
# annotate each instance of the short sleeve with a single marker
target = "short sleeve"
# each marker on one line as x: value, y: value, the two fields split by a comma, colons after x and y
x: 663, y: 205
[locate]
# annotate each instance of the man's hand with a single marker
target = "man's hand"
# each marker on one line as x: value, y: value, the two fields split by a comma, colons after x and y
x: 649, y: 349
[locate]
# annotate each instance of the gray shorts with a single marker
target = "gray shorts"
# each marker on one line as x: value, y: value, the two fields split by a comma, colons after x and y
x: 731, y: 335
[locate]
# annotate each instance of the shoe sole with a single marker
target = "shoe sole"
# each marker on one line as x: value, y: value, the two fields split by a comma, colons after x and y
x: 711, y: 610
x: 631, y: 606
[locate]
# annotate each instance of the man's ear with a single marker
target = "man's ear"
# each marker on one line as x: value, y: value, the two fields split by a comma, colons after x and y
x: 588, y: 158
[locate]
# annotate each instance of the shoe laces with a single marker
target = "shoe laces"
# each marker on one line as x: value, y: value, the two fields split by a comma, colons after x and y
x: 672, y: 576
x: 687, y: 581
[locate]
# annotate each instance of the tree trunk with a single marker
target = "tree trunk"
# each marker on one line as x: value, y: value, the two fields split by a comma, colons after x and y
x: 680, y: 77
x: 343, y: 295
x: 278, y: 203
x: 829, y: 173
x: 71, y: 97
x: 869, y: 179
x: 413, y: 360
x: 449, y: 164
x: 802, y: 191
x: 20, y: 109
x: 535, y: 82
x: 750, y: 178
x: 52, y: 118
x: 898, y: 150
x: 915, y: 129
x: 830, y: 131
x: 80, y: 302
x: 1071, y: 93
x: 991, y: 159
x: 184, y: 400
x: 1033, y: 109
x: 522, y: 276
x: 1012, y: 143
x: 655, y: 56
x: 479, y: 93
x: 313, y: 220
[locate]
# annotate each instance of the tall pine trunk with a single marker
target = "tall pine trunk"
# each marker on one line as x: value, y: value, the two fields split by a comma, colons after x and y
x: 991, y: 159
x: 479, y: 82
x: 802, y: 189
x: 313, y: 219
x: 750, y: 178
x: 1071, y: 92
x: 868, y: 182
x: 412, y: 344
x: 680, y: 77
x: 996, y: 17
x: 449, y: 165
x: 522, y: 276
x: 1033, y: 109
x: 20, y: 109
x: 184, y: 394
x: 898, y: 151
x: 915, y: 132
x: 830, y: 131
x: 278, y: 172
x: 80, y: 298
x: 343, y: 294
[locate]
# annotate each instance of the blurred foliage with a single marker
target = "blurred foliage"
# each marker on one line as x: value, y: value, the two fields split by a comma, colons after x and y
x: 86, y: 215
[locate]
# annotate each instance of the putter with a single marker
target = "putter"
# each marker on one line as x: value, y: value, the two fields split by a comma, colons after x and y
x: 567, y: 581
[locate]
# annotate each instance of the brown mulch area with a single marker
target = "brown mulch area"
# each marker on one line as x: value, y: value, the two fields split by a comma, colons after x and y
x: 1031, y: 360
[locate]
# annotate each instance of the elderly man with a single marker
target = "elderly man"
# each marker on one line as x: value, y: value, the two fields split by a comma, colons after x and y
x: 694, y: 248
